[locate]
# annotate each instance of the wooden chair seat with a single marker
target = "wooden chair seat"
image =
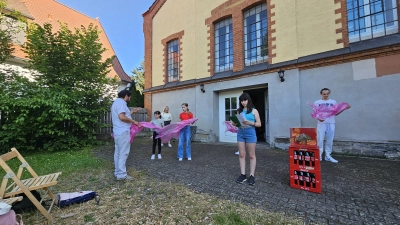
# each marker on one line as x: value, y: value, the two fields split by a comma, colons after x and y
x: 10, y: 201
x: 33, y: 184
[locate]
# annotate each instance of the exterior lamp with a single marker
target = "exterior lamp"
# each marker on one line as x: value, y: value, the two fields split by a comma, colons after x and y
x: 281, y: 74
x: 202, y: 88
x: 128, y: 86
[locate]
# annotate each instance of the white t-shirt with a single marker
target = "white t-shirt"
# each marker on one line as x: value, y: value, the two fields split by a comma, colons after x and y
x: 166, y: 116
x: 329, y: 102
x: 120, y: 106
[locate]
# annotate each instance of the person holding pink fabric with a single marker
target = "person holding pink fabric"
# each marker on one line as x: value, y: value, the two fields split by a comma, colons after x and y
x: 185, y: 134
x: 326, y: 127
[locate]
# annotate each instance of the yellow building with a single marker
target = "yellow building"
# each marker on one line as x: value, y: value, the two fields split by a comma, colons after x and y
x: 207, y: 53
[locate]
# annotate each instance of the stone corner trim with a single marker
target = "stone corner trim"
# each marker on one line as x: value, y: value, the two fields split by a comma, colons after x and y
x: 342, y: 10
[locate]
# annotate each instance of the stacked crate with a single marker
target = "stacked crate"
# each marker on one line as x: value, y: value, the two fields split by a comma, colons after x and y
x: 305, y: 168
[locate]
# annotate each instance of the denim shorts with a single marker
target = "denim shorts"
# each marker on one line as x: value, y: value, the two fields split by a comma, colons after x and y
x: 247, y: 135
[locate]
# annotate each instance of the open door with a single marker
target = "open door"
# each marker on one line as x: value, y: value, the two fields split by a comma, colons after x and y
x: 266, y: 116
x: 228, y: 105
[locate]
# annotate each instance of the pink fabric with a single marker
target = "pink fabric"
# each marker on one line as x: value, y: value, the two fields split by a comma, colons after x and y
x: 229, y: 127
x: 172, y: 130
x: 166, y: 133
x: 323, y: 112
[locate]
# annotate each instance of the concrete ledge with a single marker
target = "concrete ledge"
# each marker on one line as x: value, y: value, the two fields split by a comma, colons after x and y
x: 390, y: 150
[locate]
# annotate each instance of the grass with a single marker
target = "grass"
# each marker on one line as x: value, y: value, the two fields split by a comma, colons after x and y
x: 143, y: 201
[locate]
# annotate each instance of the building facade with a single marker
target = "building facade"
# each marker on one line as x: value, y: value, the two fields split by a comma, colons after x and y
x: 207, y: 53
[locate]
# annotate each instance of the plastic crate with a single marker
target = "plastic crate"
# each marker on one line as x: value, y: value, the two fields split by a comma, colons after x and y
x: 308, y: 180
x: 304, y: 157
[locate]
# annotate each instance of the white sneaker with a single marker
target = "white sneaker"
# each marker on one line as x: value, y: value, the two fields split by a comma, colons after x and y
x: 237, y: 153
x: 180, y: 159
x: 169, y: 145
x: 153, y: 157
x: 330, y: 159
x: 162, y: 145
x: 159, y: 156
x: 190, y: 159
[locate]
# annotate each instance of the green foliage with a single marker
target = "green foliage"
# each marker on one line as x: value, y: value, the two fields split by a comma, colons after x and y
x: 60, y: 109
x: 137, y: 98
x: 138, y: 77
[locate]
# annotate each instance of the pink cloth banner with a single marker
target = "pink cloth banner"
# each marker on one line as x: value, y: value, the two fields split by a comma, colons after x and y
x: 166, y: 133
x: 172, y: 130
x: 229, y: 127
x: 323, y: 112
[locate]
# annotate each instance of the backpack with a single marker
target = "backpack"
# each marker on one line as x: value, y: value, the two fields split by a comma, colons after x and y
x: 65, y: 199
x: 26, y: 205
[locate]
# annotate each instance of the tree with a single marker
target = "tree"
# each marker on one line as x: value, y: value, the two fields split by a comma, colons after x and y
x: 138, y: 77
x: 60, y: 109
x: 137, y: 99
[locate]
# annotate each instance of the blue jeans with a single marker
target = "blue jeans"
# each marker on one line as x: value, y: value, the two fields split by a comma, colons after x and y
x: 185, y: 134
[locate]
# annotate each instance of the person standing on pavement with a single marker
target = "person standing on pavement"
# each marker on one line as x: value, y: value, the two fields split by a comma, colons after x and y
x: 122, y: 120
x: 185, y: 134
x: 326, y: 128
x: 246, y: 137
x: 167, y: 117
x: 157, y: 141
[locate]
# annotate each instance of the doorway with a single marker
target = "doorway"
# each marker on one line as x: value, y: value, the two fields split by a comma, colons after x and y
x: 259, y: 97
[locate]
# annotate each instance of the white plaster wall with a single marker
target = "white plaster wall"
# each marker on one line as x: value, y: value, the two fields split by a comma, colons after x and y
x: 374, y: 115
x: 283, y: 98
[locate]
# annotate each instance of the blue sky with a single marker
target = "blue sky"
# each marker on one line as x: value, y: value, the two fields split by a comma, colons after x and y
x: 123, y: 22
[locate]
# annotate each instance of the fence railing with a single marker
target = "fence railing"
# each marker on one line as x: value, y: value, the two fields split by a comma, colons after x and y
x: 140, y: 116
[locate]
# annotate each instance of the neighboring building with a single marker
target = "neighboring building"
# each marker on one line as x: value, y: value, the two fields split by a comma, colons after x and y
x: 208, y: 52
x: 51, y: 11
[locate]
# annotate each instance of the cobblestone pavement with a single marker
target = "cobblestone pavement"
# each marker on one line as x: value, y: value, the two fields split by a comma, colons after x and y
x: 356, y: 190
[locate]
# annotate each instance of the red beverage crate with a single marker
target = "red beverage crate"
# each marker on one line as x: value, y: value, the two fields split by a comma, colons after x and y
x: 303, y: 136
x: 304, y: 157
x: 308, y: 180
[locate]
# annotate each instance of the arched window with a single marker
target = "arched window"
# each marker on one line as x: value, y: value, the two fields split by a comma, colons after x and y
x: 371, y: 18
x: 223, y: 45
x: 255, y: 35
x: 173, y: 60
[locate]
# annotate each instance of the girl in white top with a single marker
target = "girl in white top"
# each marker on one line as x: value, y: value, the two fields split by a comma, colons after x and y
x: 167, y: 117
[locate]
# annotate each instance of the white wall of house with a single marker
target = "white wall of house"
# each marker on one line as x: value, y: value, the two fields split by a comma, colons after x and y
x: 375, y: 101
x: 374, y: 115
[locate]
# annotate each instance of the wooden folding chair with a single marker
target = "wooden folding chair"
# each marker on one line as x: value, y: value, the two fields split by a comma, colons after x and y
x: 19, y: 186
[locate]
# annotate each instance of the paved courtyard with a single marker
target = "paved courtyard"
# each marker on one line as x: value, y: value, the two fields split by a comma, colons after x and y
x: 356, y: 190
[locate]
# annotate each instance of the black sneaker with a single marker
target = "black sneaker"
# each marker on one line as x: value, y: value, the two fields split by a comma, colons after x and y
x: 252, y: 180
x: 241, y: 179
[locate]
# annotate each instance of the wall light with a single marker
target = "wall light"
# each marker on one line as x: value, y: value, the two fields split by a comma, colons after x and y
x: 128, y: 86
x: 281, y: 74
x: 202, y: 88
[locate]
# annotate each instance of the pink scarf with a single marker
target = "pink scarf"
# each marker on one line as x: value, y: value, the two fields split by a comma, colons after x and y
x: 229, y: 127
x: 323, y: 112
x: 165, y: 133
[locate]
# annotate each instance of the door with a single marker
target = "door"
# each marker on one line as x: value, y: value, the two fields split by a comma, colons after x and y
x: 228, y: 104
x: 266, y: 116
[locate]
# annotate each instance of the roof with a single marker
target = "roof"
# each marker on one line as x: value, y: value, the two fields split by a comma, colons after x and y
x: 19, y: 6
x: 51, y: 11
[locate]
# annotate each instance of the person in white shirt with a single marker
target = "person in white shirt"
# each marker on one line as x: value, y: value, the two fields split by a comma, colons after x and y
x: 326, y: 128
x: 167, y: 117
x: 157, y: 141
x: 122, y: 121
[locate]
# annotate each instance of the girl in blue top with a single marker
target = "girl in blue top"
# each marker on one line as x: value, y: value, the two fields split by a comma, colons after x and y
x: 246, y: 136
